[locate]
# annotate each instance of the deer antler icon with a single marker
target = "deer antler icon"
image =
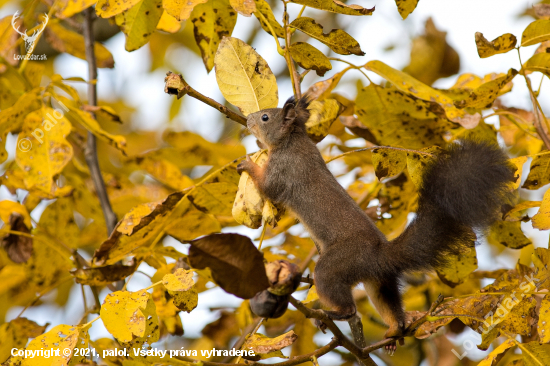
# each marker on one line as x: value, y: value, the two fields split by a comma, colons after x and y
x: 29, y: 40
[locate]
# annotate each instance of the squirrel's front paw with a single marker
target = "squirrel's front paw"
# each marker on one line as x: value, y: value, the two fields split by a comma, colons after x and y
x: 245, y: 165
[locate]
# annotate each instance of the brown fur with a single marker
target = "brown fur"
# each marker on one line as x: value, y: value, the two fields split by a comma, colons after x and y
x: 352, y: 248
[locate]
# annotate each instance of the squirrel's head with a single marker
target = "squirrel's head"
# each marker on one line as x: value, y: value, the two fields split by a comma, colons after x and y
x: 271, y: 126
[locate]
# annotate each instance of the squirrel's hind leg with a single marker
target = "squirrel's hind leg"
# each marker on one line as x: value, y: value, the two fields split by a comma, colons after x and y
x: 386, y: 299
x: 335, y: 293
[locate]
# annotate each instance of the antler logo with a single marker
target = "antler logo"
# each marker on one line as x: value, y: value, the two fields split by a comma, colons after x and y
x: 29, y: 40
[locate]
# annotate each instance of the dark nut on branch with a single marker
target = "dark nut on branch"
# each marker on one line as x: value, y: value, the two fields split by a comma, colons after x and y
x: 267, y: 305
x: 284, y: 277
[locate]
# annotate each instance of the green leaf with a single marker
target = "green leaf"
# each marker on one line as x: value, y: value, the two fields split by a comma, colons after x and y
x: 338, y: 40
x: 310, y: 58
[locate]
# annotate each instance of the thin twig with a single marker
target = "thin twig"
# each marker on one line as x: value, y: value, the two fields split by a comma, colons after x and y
x: 537, y: 111
x: 242, y: 338
x: 90, y: 152
x: 342, y: 339
x: 175, y: 85
x: 294, y: 76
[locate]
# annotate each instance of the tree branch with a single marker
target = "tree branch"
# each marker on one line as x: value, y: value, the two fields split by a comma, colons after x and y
x: 175, y: 85
x: 537, y: 110
x: 90, y: 151
x: 342, y: 339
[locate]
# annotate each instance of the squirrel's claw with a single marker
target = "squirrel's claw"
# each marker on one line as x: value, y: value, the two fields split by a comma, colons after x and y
x: 390, y: 348
x: 321, y: 326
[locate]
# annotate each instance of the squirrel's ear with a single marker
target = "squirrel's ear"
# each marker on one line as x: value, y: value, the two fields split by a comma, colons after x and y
x: 289, y: 114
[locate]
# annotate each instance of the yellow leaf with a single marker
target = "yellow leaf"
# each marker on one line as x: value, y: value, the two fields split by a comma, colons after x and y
x: 59, y: 338
x: 11, y: 119
x: 541, y: 220
x: 180, y: 9
x: 262, y: 7
x: 168, y: 23
x: 192, y: 149
x: 388, y: 162
x: 143, y: 224
x: 48, y: 153
x: 244, y: 77
x: 539, y: 62
x: 181, y: 280
x: 496, y: 354
x: 86, y: 120
x: 322, y: 89
x: 310, y: 58
x: 338, y: 40
x: 535, y: 353
x: 72, y: 7
x: 244, y: 7
x: 484, y: 95
x: 248, y: 206
x: 139, y: 23
x: 107, y: 8
x: 396, y: 119
x: 266, y: 347
x: 15, y: 334
x: 165, y: 172
x: 191, y: 225
x: 64, y: 40
x: 8, y: 39
x: 419, y: 90
x: 501, y: 44
x: 405, y: 7
x: 539, y: 173
x: 7, y: 208
x: 458, y: 268
x: 212, y: 22
x: 185, y: 300
x: 536, y: 32
x: 125, y: 314
x: 543, y: 326
x: 417, y: 163
x: 214, y: 198
x: 508, y: 234
x: 311, y: 295
x: 515, y: 213
x: 321, y: 116
x: 270, y: 213
x: 518, y: 163
x: 335, y: 6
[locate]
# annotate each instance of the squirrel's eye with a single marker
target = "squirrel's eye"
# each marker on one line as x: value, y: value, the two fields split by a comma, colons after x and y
x: 265, y: 118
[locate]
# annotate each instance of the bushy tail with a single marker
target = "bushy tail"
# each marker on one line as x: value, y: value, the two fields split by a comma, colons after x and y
x: 462, y: 190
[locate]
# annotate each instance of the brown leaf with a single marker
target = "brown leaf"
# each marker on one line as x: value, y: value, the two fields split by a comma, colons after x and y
x: 18, y: 247
x: 100, y: 276
x: 236, y: 265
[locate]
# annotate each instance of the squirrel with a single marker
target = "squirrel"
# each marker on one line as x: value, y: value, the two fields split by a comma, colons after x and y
x: 461, y: 190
